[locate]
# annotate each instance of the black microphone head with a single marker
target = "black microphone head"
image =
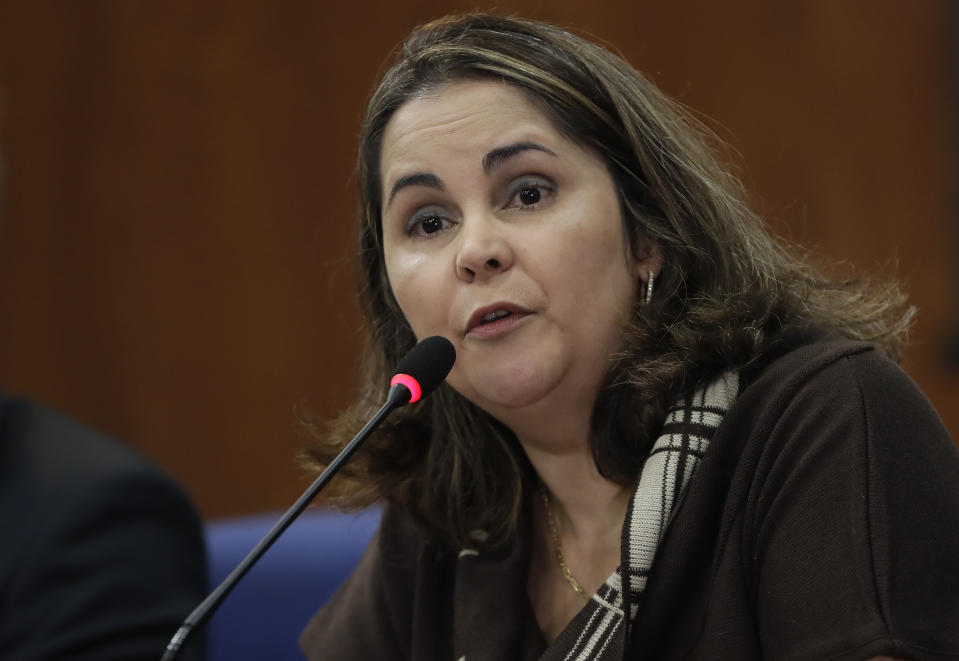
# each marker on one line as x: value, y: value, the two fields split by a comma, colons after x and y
x: 427, y: 364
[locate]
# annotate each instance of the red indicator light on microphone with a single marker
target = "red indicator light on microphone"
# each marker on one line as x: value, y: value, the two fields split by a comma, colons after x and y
x: 411, y: 384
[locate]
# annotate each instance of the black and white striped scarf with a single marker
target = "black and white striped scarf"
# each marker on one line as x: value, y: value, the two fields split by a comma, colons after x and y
x: 599, y: 631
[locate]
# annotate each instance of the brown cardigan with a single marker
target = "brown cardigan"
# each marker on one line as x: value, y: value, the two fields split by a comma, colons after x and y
x: 823, y: 523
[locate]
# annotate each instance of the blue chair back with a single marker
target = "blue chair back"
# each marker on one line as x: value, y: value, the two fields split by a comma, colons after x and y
x: 263, y: 616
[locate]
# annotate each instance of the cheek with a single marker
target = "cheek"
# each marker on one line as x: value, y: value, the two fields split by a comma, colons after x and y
x: 600, y: 275
x: 595, y: 258
x: 409, y: 284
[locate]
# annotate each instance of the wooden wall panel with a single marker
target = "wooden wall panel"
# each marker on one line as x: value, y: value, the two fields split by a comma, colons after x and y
x: 175, y: 246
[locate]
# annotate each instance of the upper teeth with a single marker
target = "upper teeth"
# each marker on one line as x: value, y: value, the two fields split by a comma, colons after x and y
x: 492, y: 316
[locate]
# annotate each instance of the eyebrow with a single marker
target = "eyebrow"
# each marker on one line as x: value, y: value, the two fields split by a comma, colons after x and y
x: 500, y: 154
x: 491, y: 160
x: 419, y: 179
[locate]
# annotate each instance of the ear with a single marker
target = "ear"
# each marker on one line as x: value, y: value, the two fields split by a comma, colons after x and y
x: 647, y: 256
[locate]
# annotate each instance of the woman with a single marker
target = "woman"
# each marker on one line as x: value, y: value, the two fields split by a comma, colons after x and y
x: 664, y: 436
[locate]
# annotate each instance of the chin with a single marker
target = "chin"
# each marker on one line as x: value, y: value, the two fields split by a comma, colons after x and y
x: 495, y: 388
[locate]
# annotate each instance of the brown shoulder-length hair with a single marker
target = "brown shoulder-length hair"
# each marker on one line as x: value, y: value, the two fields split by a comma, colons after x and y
x: 727, y: 288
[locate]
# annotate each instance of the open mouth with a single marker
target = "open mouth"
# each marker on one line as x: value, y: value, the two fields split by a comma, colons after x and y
x: 493, y: 316
x: 495, y: 319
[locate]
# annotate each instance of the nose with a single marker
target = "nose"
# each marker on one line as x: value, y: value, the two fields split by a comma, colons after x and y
x: 484, y: 250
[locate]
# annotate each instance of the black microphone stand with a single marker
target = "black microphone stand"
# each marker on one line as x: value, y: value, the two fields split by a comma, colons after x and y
x: 398, y: 396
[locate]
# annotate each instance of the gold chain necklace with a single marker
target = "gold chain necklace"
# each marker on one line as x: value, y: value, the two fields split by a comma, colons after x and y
x: 551, y: 522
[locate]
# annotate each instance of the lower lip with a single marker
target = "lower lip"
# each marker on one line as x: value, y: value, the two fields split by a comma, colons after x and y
x: 497, y: 328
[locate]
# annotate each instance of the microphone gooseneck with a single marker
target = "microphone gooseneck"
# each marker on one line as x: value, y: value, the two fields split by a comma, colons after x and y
x: 418, y: 374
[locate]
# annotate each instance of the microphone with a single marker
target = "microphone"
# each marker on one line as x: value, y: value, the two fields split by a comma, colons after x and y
x: 424, y: 368
x: 418, y: 374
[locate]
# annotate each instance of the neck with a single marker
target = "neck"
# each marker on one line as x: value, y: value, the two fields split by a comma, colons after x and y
x: 587, y: 505
x: 554, y: 433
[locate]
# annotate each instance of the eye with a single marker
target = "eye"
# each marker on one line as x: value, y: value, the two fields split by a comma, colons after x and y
x: 431, y: 224
x: 529, y: 196
x: 530, y: 193
x: 427, y: 223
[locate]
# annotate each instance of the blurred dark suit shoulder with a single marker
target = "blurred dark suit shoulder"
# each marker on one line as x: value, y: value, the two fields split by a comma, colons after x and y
x: 102, y: 554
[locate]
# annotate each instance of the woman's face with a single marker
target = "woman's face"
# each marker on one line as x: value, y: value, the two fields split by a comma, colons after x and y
x: 506, y: 238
